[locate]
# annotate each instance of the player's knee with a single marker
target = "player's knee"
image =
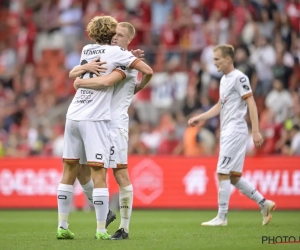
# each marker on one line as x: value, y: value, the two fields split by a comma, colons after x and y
x: 234, y: 179
x: 84, y: 174
x: 99, y: 177
x: 222, y: 177
x: 70, y: 173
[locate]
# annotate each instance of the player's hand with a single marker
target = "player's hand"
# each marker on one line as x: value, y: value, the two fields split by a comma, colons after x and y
x: 95, y: 67
x: 137, y: 87
x: 76, y: 83
x: 257, y: 139
x: 194, y: 121
x: 138, y: 54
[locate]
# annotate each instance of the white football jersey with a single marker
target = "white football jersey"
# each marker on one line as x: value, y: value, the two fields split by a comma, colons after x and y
x: 234, y: 89
x: 95, y: 105
x: 122, y: 97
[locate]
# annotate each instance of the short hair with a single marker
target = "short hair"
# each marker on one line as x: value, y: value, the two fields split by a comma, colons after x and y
x: 129, y: 27
x: 245, y: 49
x: 102, y: 29
x: 296, y: 127
x: 226, y: 50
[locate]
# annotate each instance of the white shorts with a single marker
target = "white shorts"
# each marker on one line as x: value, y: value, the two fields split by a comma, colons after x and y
x: 87, y: 142
x: 232, y: 154
x: 119, y: 148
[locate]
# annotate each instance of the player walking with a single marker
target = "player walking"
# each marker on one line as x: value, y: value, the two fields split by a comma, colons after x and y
x: 235, y: 96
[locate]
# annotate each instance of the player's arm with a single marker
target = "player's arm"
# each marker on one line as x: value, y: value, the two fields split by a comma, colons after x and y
x: 101, y: 81
x: 257, y: 138
x: 147, y: 74
x: 127, y: 59
x: 94, y: 66
x: 214, y: 111
x: 254, y: 81
x: 138, y: 53
x: 243, y: 87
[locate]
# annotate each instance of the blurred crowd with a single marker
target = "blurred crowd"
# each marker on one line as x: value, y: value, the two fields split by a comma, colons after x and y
x: 41, y: 40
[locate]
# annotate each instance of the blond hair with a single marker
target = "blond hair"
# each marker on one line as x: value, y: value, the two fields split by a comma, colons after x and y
x: 226, y: 50
x: 102, y: 29
x: 129, y: 27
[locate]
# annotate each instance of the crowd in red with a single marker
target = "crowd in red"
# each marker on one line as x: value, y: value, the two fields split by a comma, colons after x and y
x: 41, y: 40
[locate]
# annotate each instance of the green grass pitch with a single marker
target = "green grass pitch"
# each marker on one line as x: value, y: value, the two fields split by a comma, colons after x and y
x: 153, y: 229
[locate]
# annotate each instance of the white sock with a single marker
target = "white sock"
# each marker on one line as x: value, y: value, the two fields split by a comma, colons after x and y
x: 88, y: 190
x: 126, y: 199
x: 64, y: 201
x: 223, y: 199
x: 100, y: 199
x: 248, y: 189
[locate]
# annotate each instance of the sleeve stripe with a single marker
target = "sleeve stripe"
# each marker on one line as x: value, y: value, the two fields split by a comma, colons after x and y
x: 134, y: 63
x: 247, y: 95
x: 121, y: 72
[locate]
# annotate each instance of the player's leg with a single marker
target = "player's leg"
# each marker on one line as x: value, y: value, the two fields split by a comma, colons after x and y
x: 71, y: 155
x: 95, y: 140
x: 223, y: 201
x: 85, y: 179
x: 246, y: 188
x: 125, y: 200
x: 118, y: 162
x: 228, y: 157
x: 64, y: 199
x: 100, y: 200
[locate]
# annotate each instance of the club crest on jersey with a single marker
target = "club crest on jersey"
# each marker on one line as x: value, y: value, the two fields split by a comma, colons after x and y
x: 245, y: 87
x: 93, y: 52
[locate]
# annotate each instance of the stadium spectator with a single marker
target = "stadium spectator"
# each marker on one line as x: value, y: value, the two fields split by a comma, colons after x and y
x: 263, y: 57
x: 279, y: 101
x: 294, y: 148
x: 40, y: 42
x: 242, y: 63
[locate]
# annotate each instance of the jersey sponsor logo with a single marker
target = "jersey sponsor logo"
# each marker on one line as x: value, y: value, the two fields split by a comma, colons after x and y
x: 86, y: 92
x: 83, y: 101
x: 246, y: 87
x: 93, y: 52
x: 122, y: 49
x: 85, y: 97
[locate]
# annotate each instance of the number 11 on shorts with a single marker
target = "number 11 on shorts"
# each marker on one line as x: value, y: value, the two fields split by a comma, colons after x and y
x: 226, y: 160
